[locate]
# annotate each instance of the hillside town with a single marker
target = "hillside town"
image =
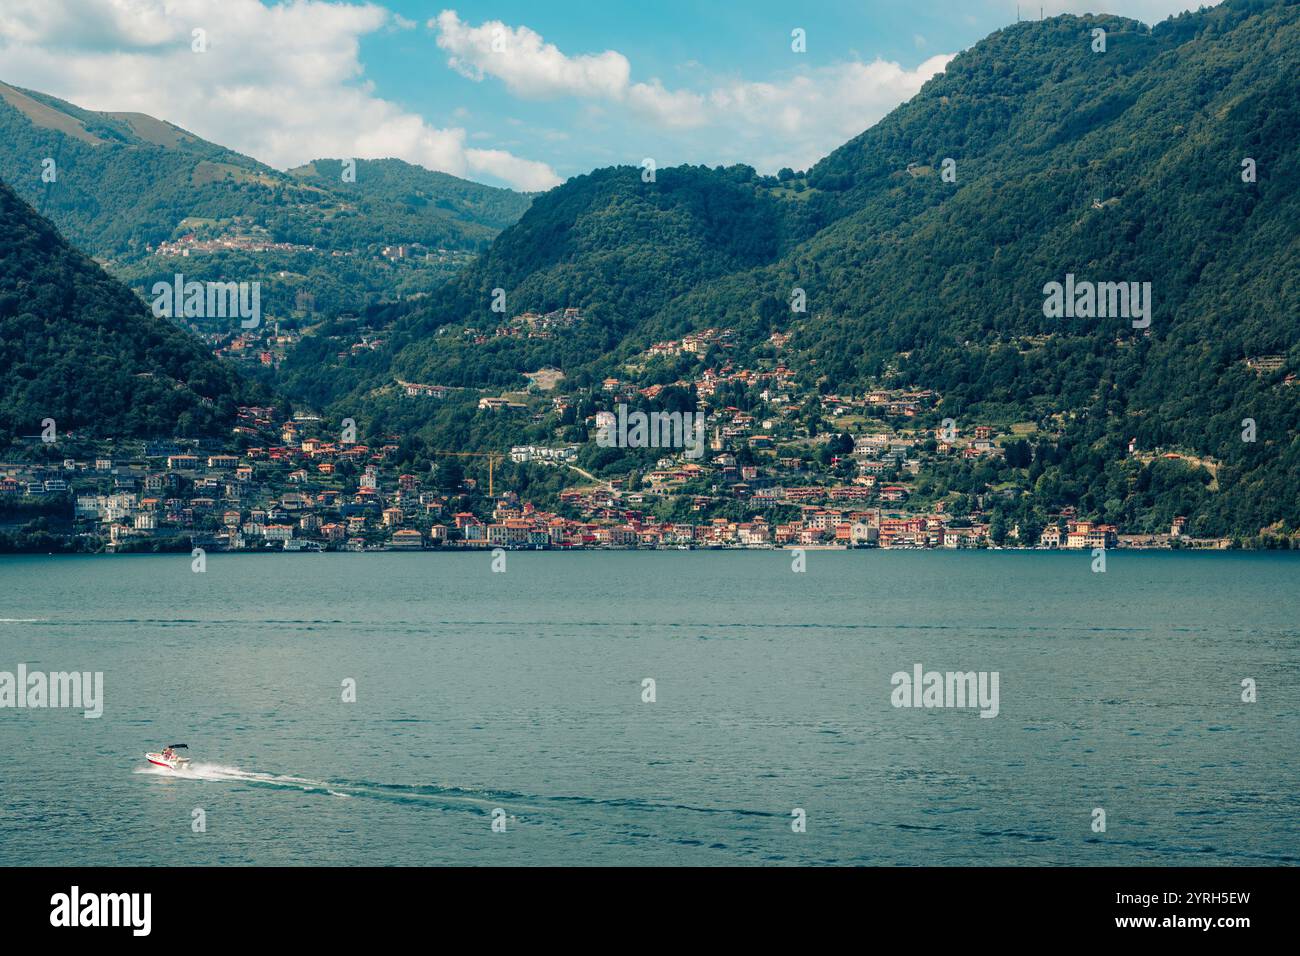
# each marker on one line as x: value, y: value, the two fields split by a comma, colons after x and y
x: 795, y: 467
x: 288, y: 486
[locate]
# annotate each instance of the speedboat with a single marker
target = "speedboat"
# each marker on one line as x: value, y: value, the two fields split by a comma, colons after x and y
x: 169, y: 758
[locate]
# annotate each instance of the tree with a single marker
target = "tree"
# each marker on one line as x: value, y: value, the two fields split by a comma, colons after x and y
x: 998, y: 528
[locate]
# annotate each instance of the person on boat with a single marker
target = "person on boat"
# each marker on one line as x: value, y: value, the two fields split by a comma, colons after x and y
x: 169, y: 753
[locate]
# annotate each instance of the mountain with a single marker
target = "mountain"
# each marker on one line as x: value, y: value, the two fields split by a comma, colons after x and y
x: 426, y: 198
x: 617, y: 248
x: 1122, y: 166
x: 125, y: 184
x: 80, y: 348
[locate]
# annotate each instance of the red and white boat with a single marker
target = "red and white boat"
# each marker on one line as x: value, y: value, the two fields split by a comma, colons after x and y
x: 169, y: 758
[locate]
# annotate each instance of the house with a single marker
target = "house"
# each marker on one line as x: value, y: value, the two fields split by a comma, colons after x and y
x: 414, y: 390
x: 961, y: 537
x: 1086, y: 535
x: 499, y: 404
x: 407, y: 539
x: 520, y: 454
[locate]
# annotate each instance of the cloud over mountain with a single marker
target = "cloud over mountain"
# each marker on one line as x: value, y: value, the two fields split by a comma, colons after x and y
x: 283, y: 83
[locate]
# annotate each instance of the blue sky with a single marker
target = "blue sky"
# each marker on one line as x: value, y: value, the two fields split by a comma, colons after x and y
x: 684, y: 44
x: 510, y: 93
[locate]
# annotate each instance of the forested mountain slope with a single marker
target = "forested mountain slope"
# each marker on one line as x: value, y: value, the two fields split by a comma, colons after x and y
x: 80, y: 348
x: 1117, y: 166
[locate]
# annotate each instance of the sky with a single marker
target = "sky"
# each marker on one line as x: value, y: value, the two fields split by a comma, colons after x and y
x: 519, y: 94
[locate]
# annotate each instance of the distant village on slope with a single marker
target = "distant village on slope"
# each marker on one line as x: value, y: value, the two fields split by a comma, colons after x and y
x: 223, y: 500
x: 295, y: 486
x: 300, y: 491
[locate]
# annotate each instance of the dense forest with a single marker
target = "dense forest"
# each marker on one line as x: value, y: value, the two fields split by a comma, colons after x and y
x: 80, y: 348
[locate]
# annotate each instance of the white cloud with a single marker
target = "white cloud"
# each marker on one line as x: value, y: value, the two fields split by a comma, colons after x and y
x: 528, y: 66
x: 531, y: 68
x: 808, y: 115
x: 803, y: 115
x: 670, y: 109
x: 283, y: 83
x: 511, y: 168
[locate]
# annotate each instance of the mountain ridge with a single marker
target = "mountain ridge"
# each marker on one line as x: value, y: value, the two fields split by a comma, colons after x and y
x: 145, y: 133
x: 1123, y: 165
x: 124, y: 186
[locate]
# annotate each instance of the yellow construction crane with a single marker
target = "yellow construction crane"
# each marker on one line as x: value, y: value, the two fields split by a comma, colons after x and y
x: 494, y: 458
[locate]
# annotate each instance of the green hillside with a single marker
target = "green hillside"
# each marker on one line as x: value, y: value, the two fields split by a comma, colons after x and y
x: 79, y: 347
x: 1122, y: 166
x: 126, y: 183
x: 609, y: 244
x: 422, y: 196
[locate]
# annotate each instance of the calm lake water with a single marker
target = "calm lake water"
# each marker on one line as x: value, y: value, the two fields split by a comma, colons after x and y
x: 523, y: 691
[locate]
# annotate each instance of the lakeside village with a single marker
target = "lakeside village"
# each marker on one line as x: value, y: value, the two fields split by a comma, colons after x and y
x: 173, y: 497
x: 294, y: 486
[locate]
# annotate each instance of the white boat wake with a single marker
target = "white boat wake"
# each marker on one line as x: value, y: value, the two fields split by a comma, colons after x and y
x: 220, y: 773
x: 435, y: 795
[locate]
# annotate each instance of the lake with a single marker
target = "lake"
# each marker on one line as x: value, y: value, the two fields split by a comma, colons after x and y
x: 773, y: 691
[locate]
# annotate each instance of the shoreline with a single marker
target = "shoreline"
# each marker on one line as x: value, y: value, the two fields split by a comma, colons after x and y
x: 628, y: 550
